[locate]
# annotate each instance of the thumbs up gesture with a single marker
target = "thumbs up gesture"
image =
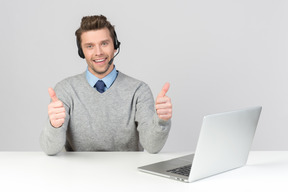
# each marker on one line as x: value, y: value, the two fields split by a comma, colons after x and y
x: 56, y: 110
x: 163, y: 104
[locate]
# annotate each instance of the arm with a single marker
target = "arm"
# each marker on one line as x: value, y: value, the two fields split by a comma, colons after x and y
x: 153, y: 127
x: 53, y: 136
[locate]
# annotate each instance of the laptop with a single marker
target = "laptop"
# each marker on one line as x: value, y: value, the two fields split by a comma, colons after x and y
x: 224, y: 143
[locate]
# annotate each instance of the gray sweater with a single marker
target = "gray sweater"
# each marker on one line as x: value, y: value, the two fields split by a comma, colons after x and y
x: 121, y: 119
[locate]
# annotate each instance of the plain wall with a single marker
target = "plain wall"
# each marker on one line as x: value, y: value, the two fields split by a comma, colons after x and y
x: 218, y: 56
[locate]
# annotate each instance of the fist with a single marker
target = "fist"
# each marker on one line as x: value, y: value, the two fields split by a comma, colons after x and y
x: 56, y: 110
x: 163, y: 104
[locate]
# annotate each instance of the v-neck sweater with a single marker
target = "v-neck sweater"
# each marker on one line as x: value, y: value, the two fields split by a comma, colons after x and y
x: 123, y: 118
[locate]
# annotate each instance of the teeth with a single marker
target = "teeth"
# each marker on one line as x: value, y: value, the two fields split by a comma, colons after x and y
x: 100, y: 60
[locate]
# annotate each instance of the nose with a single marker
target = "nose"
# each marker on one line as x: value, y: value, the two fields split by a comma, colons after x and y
x: 98, y: 50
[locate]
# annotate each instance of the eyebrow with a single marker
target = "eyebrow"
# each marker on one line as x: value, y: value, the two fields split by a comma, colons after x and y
x: 107, y: 40
x: 91, y: 43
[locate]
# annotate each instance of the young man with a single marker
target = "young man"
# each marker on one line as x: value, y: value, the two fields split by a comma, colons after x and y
x: 103, y: 109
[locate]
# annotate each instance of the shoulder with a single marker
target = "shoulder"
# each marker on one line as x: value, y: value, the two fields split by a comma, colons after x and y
x: 130, y: 81
x: 70, y: 85
x: 132, y: 84
x: 72, y: 81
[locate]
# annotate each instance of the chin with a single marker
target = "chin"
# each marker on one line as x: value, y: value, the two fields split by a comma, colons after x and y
x: 101, y: 71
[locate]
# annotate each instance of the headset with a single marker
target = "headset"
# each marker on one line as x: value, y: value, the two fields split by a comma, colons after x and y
x: 116, y: 44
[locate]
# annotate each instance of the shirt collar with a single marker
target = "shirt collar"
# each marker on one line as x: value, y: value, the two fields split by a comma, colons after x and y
x: 108, y: 79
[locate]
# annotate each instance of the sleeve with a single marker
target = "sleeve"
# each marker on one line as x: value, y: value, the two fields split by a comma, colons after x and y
x: 52, y: 140
x: 153, y: 131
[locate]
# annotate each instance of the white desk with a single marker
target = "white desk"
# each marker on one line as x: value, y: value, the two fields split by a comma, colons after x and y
x: 117, y: 171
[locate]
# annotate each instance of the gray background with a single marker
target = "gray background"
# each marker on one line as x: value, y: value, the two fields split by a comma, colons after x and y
x: 217, y: 55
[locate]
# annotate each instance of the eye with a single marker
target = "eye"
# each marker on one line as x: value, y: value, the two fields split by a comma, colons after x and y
x: 89, y: 46
x: 104, y: 43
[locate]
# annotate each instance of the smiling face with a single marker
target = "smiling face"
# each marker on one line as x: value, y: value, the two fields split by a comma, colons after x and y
x: 98, y: 48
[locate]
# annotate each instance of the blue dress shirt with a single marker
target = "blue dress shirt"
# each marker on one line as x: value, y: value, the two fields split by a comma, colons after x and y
x: 108, y: 80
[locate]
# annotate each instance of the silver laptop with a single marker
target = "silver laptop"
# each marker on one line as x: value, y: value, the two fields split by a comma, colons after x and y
x: 224, y: 143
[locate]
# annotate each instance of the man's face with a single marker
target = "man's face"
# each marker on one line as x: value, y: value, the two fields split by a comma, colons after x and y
x: 98, y: 49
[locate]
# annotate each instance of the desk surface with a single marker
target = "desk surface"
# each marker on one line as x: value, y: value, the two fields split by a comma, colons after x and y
x: 117, y: 171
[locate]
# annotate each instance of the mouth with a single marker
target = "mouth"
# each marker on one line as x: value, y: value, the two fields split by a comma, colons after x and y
x: 100, y: 61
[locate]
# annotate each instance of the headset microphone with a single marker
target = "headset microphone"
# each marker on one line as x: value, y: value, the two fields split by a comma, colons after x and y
x: 111, y: 61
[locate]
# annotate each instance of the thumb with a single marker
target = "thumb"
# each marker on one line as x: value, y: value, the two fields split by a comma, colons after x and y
x: 52, y: 94
x: 164, y: 90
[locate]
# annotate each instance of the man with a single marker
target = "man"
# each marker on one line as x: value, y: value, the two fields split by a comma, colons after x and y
x: 103, y: 109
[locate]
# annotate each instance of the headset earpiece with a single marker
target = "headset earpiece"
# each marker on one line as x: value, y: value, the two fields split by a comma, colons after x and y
x: 80, y: 51
x: 116, y: 42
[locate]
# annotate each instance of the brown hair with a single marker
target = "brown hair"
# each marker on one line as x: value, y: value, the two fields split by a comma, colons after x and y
x: 93, y: 23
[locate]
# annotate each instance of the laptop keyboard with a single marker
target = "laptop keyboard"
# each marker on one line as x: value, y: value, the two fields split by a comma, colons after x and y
x: 185, y: 170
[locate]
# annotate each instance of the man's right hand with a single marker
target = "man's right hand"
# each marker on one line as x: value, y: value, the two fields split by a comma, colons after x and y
x: 56, y: 110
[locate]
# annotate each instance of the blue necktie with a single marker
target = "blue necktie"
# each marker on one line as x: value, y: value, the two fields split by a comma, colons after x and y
x: 100, y: 85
